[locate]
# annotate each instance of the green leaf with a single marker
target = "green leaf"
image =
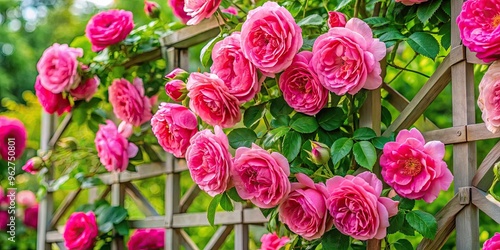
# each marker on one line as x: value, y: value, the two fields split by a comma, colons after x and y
x: 253, y: 114
x: 79, y: 116
x: 241, y: 137
x: 380, y: 141
x: 396, y: 222
x: 445, y: 33
x: 279, y: 107
x: 334, y: 239
x: 423, y: 222
x: 364, y: 134
x: 365, y: 154
x: 114, y: 215
x: 424, y: 43
x: 404, y: 203
x: 407, y: 229
x: 122, y: 228
x: 426, y: 10
x: 375, y: 22
x: 206, y: 51
x: 304, y: 156
x: 392, y: 35
x: 274, y: 135
x: 298, y: 169
x: 343, y: 4
x: 331, y: 118
x: 281, y: 121
x: 312, y: 20
x: 91, y: 182
x: 340, y: 149
x: 106, y: 227
x: 233, y: 194
x: 386, y: 116
x: 267, y: 211
x: 226, y: 203
x: 291, y: 145
x: 212, y: 207
x: 328, y: 138
x: 402, y: 244
x: 303, y: 123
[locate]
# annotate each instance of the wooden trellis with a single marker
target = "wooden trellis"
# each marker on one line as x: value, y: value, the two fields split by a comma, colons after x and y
x: 461, y: 213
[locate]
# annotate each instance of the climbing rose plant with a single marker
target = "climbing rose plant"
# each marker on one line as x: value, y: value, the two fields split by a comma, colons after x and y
x: 272, y: 118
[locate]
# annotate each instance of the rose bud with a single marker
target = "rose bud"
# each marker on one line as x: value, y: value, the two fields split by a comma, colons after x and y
x: 336, y: 19
x: 152, y: 9
x: 320, y: 153
x: 178, y: 74
x: 176, y: 89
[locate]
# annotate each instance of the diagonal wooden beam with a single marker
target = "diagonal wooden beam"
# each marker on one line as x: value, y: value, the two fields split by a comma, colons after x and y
x: 436, y: 83
x: 219, y: 237
x: 70, y: 198
x: 446, y: 224
x: 484, y: 175
x: 141, y: 201
x: 486, y: 203
x: 186, y: 241
x: 189, y: 197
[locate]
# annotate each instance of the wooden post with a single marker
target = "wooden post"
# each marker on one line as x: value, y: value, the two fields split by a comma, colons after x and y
x: 172, y: 202
x: 464, y: 154
x: 117, y: 199
x: 46, y: 205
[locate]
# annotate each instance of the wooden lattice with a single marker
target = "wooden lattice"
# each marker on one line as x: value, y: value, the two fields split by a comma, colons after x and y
x: 460, y: 214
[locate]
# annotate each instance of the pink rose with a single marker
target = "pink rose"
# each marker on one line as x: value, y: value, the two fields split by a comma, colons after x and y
x: 31, y: 217
x: 152, y: 9
x: 230, y: 10
x: 177, y: 74
x: 178, y: 10
x: 488, y: 99
x: 26, y: 198
x: 86, y: 89
x: 492, y: 243
x: 272, y: 241
x: 51, y: 103
x: 337, y: 19
x: 270, y: 38
x: 13, y: 138
x: 346, y: 59
x: 4, y: 220
x: 80, y: 231
x: 199, y: 10
x: 57, y: 68
x: 357, y: 209
x: 108, y: 28
x: 211, y: 100
x: 229, y: 63
x: 304, y: 211
x: 301, y: 87
x: 260, y: 176
x: 174, y: 125
x: 209, y: 161
x: 113, y: 148
x: 478, y: 24
x: 176, y: 89
x: 151, y: 239
x: 415, y: 169
x: 129, y: 101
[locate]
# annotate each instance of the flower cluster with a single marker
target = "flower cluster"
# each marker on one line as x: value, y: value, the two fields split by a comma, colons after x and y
x: 12, y: 130
x: 27, y: 210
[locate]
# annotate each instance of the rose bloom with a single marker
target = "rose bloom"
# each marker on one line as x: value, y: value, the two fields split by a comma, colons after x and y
x: 270, y: 38
x: 357, y: 209
x: 336, y: 19
x: 130, y: 104
x: 492, y: 243
x: 411, y: 2
x: 199, y: 10
x: 489, y: 97
x: 80, y: 231
x: 51, y: 103
x: 304, y: 211
x: 229, y: 63
x: 174, y: 125
x: 152, y: 9
x: 13, y: 138
x: 176, y: 89
x: 4, y: 220
x: 260, y: 176
x: 415, y: 169
x: 272, y: 241
x: 113, y: 148
x: 108, y: 28
x: 478, y: 24
x: 147, y: 239
x: 209, y: 161
x: 57, y: 68
x: 301, y: 87
x: 177, y: 7
x: 211, y: 100
x: 346, y: 59
x: 26, y: 198
x: 86, y: 89
x: 31, y: 217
